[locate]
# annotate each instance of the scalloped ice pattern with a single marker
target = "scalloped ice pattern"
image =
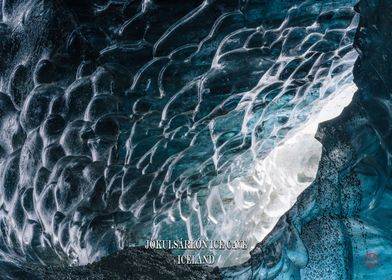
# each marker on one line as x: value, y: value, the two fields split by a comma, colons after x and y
x: 123, y: 121
x: 339, y: 228
x: 258, y: 200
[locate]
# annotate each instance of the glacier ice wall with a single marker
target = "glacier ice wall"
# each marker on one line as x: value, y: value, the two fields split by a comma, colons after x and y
x: 345, y: 214
x: 274, y: 183
x: 128, y: 120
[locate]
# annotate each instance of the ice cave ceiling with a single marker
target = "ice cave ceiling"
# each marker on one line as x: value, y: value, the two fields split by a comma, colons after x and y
x: 126, y: 120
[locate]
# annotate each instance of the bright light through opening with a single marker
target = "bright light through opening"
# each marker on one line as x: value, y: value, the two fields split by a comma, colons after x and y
x: 276, y: 182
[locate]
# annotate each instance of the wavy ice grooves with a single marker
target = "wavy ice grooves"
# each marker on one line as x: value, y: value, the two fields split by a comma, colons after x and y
x: 155, y: 122
x: 275, y: 182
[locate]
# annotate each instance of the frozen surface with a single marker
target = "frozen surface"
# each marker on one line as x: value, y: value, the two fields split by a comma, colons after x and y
x: 274, y: 183
x: 123, y: 121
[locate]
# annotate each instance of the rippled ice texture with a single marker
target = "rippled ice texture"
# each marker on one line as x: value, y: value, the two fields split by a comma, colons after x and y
x: 273, y: 185
x: 128, y: 120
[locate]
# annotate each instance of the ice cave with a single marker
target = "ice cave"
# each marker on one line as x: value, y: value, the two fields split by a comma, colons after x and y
x: 131, y: 120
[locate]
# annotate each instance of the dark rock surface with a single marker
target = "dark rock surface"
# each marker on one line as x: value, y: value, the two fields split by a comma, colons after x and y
x: 132, y: 264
